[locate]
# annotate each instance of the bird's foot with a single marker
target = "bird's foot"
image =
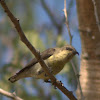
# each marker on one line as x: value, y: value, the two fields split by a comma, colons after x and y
x: 47, y: 81
x: 53, y: 83
x: 60, y: 83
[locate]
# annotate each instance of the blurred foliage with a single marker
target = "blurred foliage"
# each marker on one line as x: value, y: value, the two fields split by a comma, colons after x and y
x: 14, y: 54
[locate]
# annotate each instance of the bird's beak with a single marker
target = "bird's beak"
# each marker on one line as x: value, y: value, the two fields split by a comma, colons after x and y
x: 77, y: 53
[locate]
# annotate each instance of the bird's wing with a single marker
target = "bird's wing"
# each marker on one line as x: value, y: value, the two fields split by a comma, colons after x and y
x: 45, y: 54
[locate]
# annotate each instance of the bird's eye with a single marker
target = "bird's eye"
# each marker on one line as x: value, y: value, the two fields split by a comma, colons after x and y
x: 70, y: 49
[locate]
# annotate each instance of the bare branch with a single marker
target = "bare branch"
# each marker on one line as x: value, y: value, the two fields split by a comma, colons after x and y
x: 67, y: 24
x: 78, y: 81
x: 96, y: 14
x: 76, y: 74
x: 52, y: 17
x: 15, y: 21
x: 49, y: 13
x: 9, y: 95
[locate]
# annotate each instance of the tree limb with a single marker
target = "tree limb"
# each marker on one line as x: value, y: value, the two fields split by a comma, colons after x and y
x: 9, y: 95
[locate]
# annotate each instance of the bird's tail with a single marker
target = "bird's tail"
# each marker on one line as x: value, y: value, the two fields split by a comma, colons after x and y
x: 13, y: 78
x: 23, y: 73
x: 17, y: 77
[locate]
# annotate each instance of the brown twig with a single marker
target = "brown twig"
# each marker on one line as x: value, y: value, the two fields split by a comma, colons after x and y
x: 47, y: 9
x: 78, y: 81
x: 9, y: 95
x: 15, y: 21
x: 96, y: 14
x: 54, y: 20
x: 76, y: 74
x: 67, y: 24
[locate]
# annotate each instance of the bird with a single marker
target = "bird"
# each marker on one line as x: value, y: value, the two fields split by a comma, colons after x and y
x: 55, y: 59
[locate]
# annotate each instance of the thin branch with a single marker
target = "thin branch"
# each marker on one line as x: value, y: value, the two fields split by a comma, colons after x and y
x: 96, y: 14
x: 47, y: 9
x: 78, y: 81
x: 9, y: 95
x: 52, y: 17
x: 76, y: 74
x: 67, y: 24
x: 36, y: 53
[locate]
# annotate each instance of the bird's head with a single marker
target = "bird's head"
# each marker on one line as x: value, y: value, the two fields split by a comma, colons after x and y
x: 68, y: 52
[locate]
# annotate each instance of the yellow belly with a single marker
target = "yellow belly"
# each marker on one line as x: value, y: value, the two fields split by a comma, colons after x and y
x: 55, y: 64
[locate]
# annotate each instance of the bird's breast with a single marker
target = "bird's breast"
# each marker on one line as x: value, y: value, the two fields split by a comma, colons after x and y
x: 56, y: 62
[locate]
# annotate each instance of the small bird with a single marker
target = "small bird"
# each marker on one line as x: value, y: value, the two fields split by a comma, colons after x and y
x: 55, y: 59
